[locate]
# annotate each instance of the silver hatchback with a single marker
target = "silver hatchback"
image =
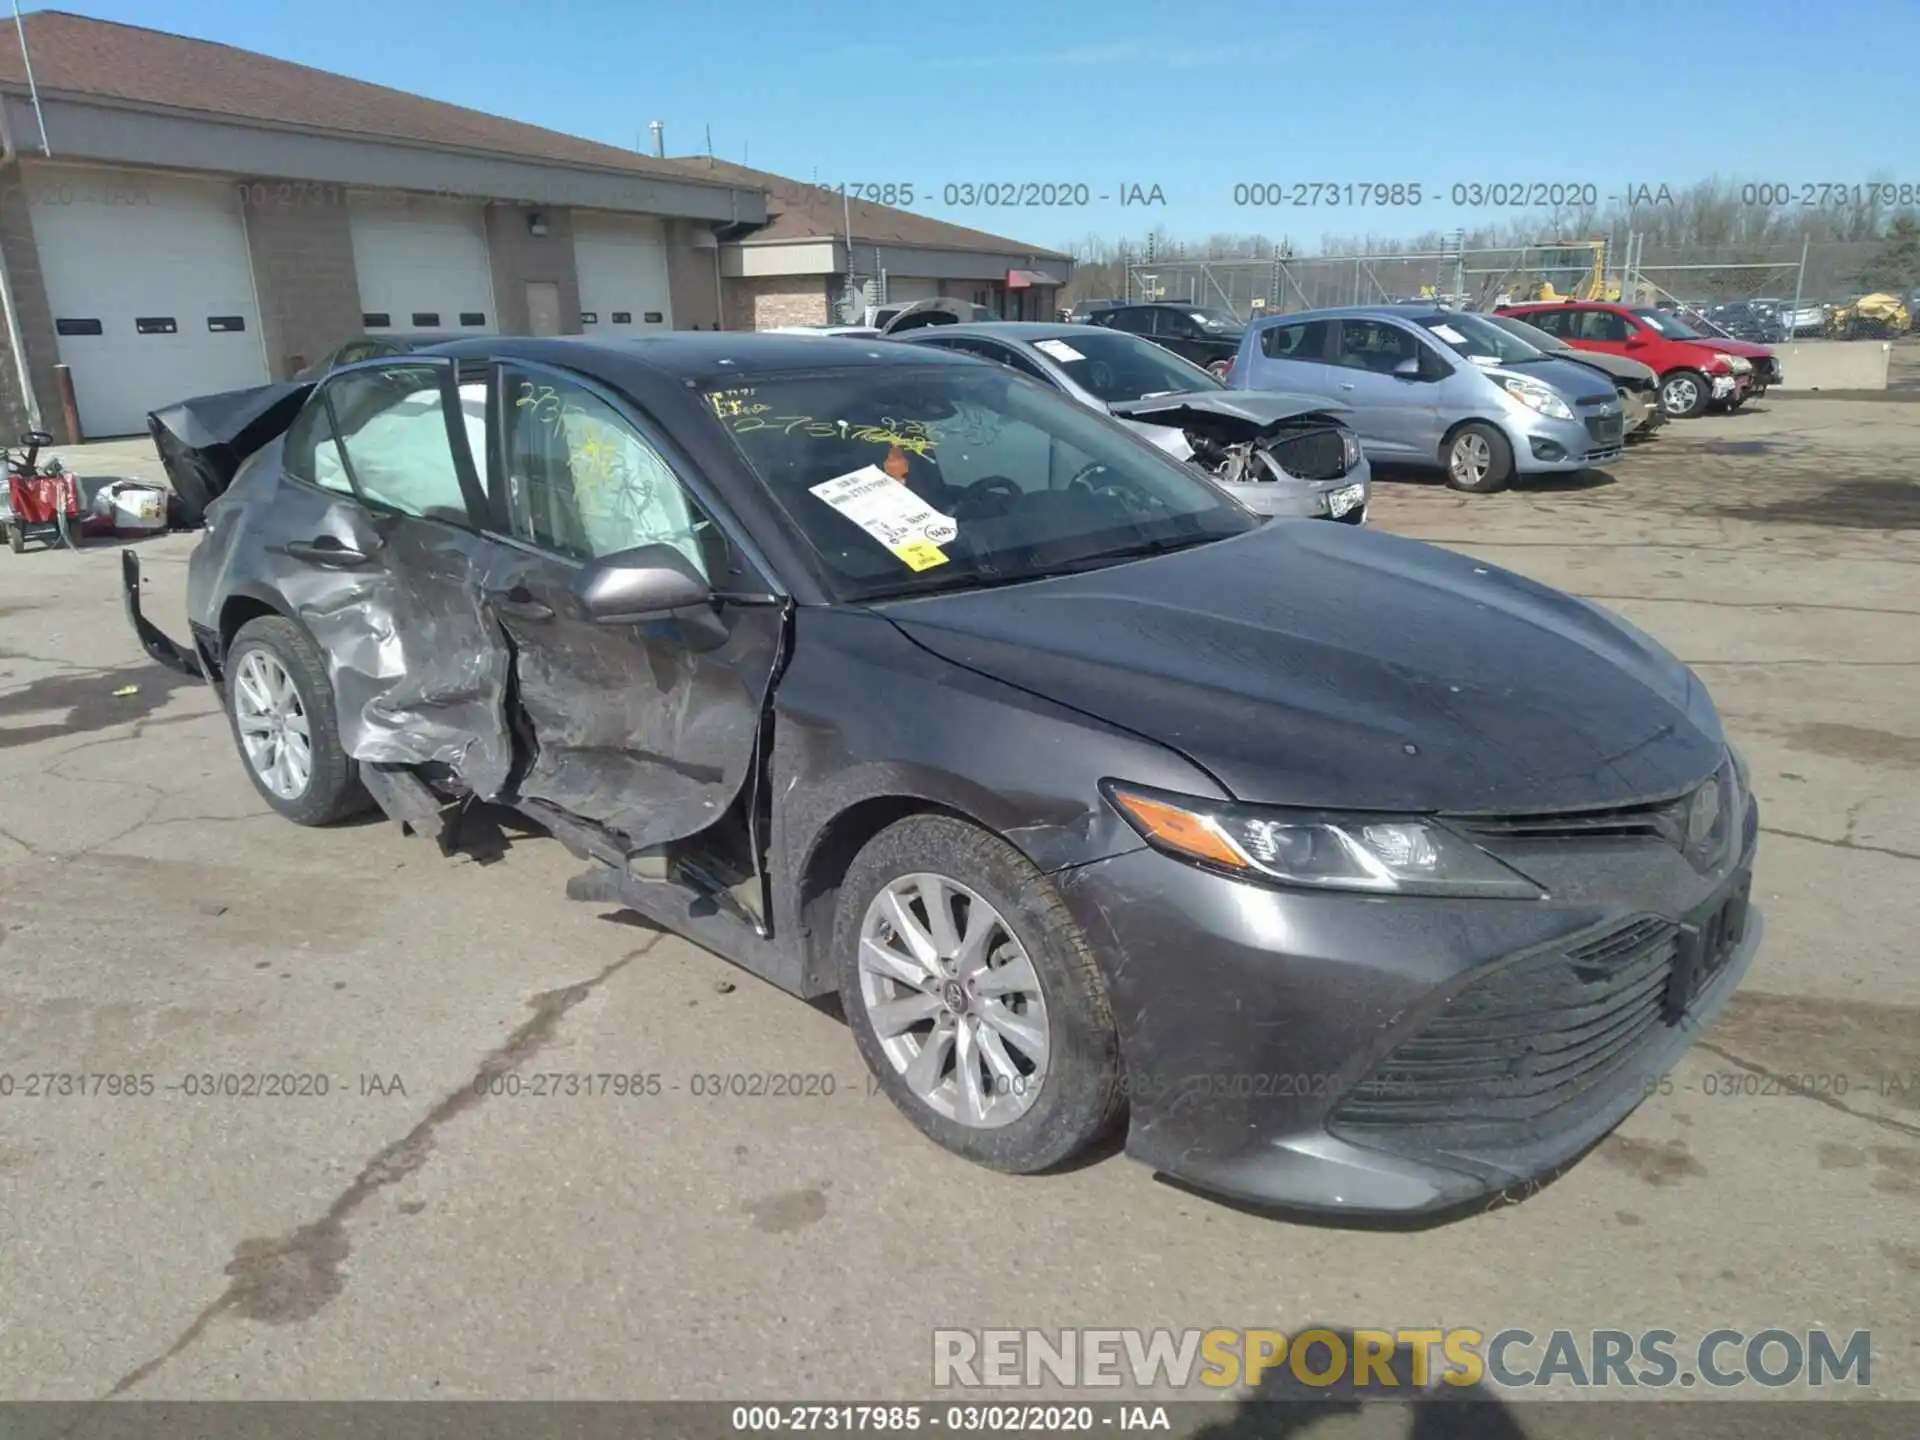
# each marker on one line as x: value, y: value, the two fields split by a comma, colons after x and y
x: 1444, y: 388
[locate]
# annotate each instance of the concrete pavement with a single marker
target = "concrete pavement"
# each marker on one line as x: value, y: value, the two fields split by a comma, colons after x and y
x: 419, y: 1231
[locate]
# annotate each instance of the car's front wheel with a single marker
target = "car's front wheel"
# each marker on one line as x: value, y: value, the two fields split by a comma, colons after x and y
x: 973, y: 997
x: 1685, y: 394
x: 280, y: 702
x: 1478, y: 459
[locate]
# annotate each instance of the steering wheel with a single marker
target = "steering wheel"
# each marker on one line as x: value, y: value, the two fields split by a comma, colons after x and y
x: 987, y: 497
x: 1131, y: 496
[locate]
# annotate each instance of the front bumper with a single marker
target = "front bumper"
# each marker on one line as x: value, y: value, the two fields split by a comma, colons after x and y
x: 1350, y: 495
x: 1642, y: 411
x: 1259, y: 1025
x: 1545, y: 446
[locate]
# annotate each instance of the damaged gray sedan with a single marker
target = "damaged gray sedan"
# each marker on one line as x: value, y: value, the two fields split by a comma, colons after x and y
x: 1345, y: 872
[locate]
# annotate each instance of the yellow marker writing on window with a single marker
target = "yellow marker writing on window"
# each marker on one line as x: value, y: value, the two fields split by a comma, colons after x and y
x: 920, y: 554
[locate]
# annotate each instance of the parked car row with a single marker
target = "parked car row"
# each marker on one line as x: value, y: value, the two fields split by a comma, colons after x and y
x: 933, y: 677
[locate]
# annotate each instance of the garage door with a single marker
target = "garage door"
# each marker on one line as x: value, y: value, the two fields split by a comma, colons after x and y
x: 622, y: 261
x: 151, y: 289
x: 422, y: 264
x: 905, y: 289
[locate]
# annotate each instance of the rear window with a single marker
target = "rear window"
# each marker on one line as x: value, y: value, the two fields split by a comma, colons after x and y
x: 1114, y: 367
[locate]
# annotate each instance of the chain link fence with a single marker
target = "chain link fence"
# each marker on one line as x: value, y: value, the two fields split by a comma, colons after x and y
x: 1623, y: 266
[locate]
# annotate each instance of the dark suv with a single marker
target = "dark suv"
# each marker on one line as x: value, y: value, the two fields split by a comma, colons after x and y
x: 1209, y: 338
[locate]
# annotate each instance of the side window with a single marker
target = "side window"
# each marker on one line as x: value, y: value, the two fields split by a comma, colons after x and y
x: 584, y: 483
x: 1175, y: 325
x: 392, y: 426
x: 311, y: 452
x: 1295, y: 342
x: 1134, y: 322
x: 1554, y: 322
x: 1374, y: 345
x: 1602, y: 325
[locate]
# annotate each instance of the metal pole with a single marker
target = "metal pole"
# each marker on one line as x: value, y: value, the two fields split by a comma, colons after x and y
x: 26, y: 61
x: 1799, y: 285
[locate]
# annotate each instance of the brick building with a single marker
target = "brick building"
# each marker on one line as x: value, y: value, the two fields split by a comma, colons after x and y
x: 179, y: 217
x: 823, y: 258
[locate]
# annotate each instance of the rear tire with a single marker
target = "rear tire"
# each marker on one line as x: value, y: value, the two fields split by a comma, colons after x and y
x: 269, y: 655
x: 1031, y: 955
x: 1478, y: 459
x: 16, y: 540
x: 1685, y: 394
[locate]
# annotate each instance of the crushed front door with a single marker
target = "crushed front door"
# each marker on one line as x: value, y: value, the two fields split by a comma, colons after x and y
x: 648, y: 730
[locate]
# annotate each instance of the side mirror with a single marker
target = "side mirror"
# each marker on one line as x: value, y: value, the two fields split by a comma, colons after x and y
x: 1408, y: 369
x: 1637, y: 341
x: 36, y: 437
x: 648, y: 582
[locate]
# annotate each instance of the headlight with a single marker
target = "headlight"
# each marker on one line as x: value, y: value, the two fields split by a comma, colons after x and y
x: 1739, y: 364
x: 1349, y: 451
x: 1378, y: 854
x: 1536, y: 396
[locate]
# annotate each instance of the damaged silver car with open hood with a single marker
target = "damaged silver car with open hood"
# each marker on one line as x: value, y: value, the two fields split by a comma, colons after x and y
x: 1344, y: 872
x: 1277, y: 453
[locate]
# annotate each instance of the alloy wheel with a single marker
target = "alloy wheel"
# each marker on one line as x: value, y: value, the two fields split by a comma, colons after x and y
x: 954, y: 1000
x: 1470, y: 459
x: 272, y: 724
x: 1680, y: 396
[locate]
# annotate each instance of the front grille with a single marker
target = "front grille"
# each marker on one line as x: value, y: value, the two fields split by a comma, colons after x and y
x: 1767, y: 371
x: 1311, y: 455
x: 1522, y: 1042
x: 1604, y: 429
x: 1658, y: 820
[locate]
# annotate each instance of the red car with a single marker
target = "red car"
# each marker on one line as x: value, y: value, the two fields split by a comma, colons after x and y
x: 1695, y: 370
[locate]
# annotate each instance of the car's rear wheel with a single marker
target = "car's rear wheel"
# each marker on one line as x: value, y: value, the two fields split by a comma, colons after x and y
x: 973, y: 997
x: 1478, y: 459
x: 280, y: 703
x: 1685, y: 394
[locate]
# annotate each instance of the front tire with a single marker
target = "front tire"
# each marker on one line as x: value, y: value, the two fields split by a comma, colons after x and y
x: 280, y: 704
x: 973, y: 997
x: 1685, y: 394
x: 1478, y: 459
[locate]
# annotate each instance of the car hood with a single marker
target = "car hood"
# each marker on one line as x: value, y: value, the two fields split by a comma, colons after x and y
x: 1228, y: 416
x: 1732, y: 347
x: 1318, y: 665
x: 1617, y: 367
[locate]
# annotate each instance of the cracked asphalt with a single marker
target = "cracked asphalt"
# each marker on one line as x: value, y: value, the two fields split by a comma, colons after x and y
x: 393, y: 1221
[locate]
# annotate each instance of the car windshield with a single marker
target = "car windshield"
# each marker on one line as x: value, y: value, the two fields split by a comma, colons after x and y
x: 1112, y: 366
x: 1672, y: 326
x: 1531, y: 334
x: 915, y: 479
x: 1473, y: 337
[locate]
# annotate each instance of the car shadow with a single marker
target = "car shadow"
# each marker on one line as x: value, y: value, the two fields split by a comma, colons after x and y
x: 1522, y: 484
x: 485, y: 833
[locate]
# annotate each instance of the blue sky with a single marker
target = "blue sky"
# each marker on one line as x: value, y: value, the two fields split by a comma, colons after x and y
x: 1195, y: 99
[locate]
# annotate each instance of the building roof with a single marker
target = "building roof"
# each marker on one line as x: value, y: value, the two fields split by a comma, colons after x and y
x: 76, y: 55
x: 805, y: 212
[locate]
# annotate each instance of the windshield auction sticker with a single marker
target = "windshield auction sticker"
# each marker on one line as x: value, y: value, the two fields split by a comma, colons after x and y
x: 892, y: 514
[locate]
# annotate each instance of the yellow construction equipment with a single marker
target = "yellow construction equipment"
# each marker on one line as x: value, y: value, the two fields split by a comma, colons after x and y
x: 1878, y: 316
